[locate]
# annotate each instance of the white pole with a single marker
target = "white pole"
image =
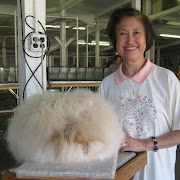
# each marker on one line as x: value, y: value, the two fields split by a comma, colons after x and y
x: 136, y: 4
x: 63, y: 54
x: 158, y: 56
x: 77, y: 46
x: 15, y: 41
x: 87, y: 39
x: 35, y: 16
x: 31, y: 78
x: 97, y: 61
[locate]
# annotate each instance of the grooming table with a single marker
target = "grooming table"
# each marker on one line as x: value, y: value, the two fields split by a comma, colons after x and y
x: 126, y: 171
x: 53, y: 84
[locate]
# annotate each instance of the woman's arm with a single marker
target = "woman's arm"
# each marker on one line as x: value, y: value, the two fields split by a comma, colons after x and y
x: 137, y: 145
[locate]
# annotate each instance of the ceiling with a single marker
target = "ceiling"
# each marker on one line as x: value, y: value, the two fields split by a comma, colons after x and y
x: 95, y: 13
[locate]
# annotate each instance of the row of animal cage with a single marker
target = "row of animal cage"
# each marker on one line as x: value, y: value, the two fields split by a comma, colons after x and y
x: 79, y: 74
x: 64, y: 74
x: 7, y: 74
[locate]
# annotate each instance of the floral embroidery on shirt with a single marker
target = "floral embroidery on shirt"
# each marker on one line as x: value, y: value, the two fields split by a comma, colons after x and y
x: 136, y: 115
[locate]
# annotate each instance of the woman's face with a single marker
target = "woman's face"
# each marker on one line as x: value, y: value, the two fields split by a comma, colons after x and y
x: 131, y: 39
x: 118, y: 60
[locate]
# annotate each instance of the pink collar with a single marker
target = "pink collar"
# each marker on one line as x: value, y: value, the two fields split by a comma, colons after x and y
x: 138, y: 77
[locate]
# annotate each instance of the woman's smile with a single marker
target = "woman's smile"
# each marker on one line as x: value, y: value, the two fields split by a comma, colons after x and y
x: 130, y: 48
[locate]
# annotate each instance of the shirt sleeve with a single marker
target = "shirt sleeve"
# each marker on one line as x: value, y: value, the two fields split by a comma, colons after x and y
x: 174, y: 104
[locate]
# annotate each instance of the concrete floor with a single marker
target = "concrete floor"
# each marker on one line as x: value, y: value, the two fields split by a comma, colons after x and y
x: 6, y: 160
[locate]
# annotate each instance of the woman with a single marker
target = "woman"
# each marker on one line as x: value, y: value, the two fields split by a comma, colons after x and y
x: 117, y: 61
x: 145, y: 96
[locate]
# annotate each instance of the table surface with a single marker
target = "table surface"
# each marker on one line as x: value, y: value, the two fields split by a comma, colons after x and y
x: 52, y: 84
x: 125, y: 172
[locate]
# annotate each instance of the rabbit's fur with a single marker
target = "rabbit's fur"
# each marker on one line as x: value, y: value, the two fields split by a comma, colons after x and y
x: 64, y: 127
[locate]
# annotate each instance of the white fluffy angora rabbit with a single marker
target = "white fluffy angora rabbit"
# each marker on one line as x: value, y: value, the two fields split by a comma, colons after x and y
x: 69, y: 127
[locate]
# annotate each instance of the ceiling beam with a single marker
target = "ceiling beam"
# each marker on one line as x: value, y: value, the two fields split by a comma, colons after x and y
x: 164, y: 13
x: 66, y: 5
x: 170, y: 18
x: 3, y: 39
x: 70, y: 5
x: 168, y: 45
x: 106, y: 48
x: 122, y: 3
x: 56, y: 46
x: 166, y: 29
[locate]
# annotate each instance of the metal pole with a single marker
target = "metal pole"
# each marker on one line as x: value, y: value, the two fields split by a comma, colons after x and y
x: 97, y: 61
x: 16, y: 52
x: 15, y: 41
x: 4, y: 59
x: 152, y: 52
x: 77, y: 47
x: 87, y: 40
x: 63, y: 59
x: 136, y: 4
x: 35, y: 16
x: 158, y: 56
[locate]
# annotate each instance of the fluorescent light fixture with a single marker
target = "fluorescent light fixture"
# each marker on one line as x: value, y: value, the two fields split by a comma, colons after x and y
x: 55, y: 26
x: 101, y: 43
x: 52, y: 26
x: 93, y: 43
x: 170, y: 36
x: 79, y: 28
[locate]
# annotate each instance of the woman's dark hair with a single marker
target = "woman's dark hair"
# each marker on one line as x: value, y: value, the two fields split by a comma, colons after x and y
x: 117, y: 17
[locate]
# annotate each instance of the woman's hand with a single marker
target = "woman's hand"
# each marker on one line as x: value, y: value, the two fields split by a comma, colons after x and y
x: 137, y: 145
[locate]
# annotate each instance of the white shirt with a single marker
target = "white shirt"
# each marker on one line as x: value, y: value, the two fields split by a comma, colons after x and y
x: 154, y: 110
